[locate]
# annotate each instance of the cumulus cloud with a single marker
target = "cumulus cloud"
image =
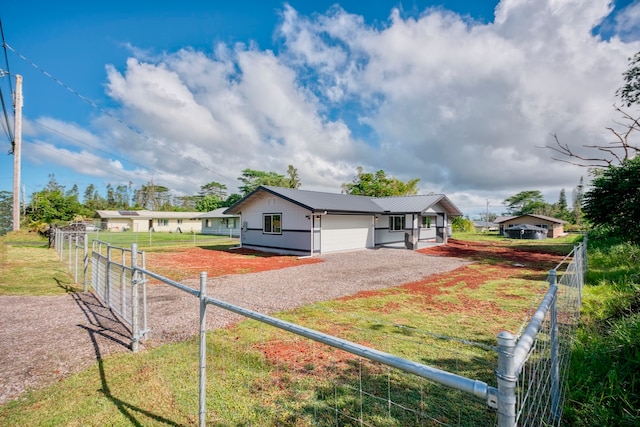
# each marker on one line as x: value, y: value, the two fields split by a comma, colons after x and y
x: 462, y: 105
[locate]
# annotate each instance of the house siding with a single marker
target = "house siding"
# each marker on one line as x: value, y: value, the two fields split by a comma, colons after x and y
x: 383, y: 233
x: 554, y: 229
x: 296, y: 236
x: 221, y: 226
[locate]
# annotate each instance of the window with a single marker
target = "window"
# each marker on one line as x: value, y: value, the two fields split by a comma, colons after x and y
x: 179, y: 221
x: 207, y: 223
x: 396, y: 222
x: 272, y: 223
x: 545, y: 226
x: 164, y: 222
x: 426, y: 222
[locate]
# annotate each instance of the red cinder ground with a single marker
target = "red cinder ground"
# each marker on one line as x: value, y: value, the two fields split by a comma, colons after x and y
x: 190, y: 262
x: 506, y: 263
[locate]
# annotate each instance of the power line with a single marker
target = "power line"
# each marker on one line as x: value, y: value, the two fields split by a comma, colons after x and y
x: 118, y: 119
x: 6, y: 125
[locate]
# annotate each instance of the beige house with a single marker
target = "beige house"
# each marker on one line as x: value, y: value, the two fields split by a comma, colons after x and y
x: 218, y: 223
x: 554, y: 226
x: 142, y: 221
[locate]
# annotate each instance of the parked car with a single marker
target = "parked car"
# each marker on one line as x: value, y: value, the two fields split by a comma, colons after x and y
x: 87, y: 226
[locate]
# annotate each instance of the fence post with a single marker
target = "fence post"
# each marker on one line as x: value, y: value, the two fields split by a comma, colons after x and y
x: 555, y: 363
x: 143, y: 278
x: 85, y: 265
x: 75, y: 265
x: 107, y: 278
x: 70, y: 253
x: 507, y: 377
x: 57, y: 243
x: 135, y: 326
x: 203, y: 349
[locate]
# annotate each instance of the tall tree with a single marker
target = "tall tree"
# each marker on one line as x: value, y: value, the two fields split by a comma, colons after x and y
x: 214, y: 188
x: 526, y: 202
x: 578, y: 196
x: 378, y: 184
x: 153, y: 197
x: 629, y: 93
x: 293, y: 177
x: 613, y: 201
x: 252, y: 179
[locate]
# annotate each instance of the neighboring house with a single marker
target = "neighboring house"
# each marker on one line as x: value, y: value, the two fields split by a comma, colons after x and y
x: 484, y: 226
x: 554, y: 226
x: 300, y: 222
x: 175, y: 222
x: 218, y: 223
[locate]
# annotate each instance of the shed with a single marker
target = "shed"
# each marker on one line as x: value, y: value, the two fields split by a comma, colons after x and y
x: 554, y: 226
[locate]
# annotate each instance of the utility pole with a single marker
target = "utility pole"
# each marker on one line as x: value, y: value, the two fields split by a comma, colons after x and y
x: 486, y: 218
x: 17, y: 102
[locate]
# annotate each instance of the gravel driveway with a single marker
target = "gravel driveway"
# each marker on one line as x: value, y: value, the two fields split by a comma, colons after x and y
x: 44, y: 339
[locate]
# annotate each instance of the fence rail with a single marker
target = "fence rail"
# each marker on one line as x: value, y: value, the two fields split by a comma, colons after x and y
x: 530, y: 371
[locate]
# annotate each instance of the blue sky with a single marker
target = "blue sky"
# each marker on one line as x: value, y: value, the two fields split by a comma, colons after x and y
x: 460, y: 94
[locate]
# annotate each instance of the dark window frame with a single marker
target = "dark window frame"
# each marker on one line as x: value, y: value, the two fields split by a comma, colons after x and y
x: 269, y: 227
x: 397, y: 226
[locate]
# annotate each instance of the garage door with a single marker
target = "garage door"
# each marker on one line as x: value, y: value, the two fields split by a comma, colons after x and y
x: 344, y: 232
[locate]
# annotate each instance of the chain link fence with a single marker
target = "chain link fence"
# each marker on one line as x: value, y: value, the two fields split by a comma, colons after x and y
x: 531, y: 366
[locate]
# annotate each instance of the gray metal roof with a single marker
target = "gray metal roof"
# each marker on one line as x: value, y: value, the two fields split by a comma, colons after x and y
x: 318, y: 201
x: 415, y: 203
x: 544, y: 217
x: 216, y: 213
x: 315, y: 201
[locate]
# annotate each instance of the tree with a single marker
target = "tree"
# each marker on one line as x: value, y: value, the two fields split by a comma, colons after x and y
x: 622, y: 147
x: 630, y: 92
x: 614, y: 200
x: 51, y: 205
x: 214, y: 188
x: 208, y: 203
x: 526, y: 202
x: 294, y: 179
x: 153, y: 197
x: 462, y: 225
x: 378, y: 184
x: 252, y: 179
x: 233, y: 198
x: 578, y: 196
x: 6, y: 212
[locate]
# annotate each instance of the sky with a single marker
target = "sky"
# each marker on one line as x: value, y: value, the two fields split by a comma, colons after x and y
x: 463, y: 95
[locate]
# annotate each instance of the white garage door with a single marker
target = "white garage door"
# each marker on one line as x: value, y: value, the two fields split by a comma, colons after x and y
x: 344, y: 232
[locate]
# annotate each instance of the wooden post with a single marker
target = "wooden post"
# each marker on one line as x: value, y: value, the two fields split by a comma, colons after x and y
x: 17, y: 142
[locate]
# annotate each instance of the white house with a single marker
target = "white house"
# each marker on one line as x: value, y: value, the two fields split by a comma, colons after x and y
x: 218, y: 223
x: 140, y: 221
x: 300, y: 222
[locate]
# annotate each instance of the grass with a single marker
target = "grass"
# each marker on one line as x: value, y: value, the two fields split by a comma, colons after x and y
x: 260, y: 376
x: 161, y: 241
x: 604, y: 381
x: 29, y: 267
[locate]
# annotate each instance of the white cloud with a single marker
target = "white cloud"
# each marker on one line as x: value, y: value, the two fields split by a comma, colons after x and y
x: 461, y: 105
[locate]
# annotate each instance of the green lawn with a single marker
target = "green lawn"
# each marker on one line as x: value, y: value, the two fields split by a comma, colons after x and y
x: 258, y: 375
